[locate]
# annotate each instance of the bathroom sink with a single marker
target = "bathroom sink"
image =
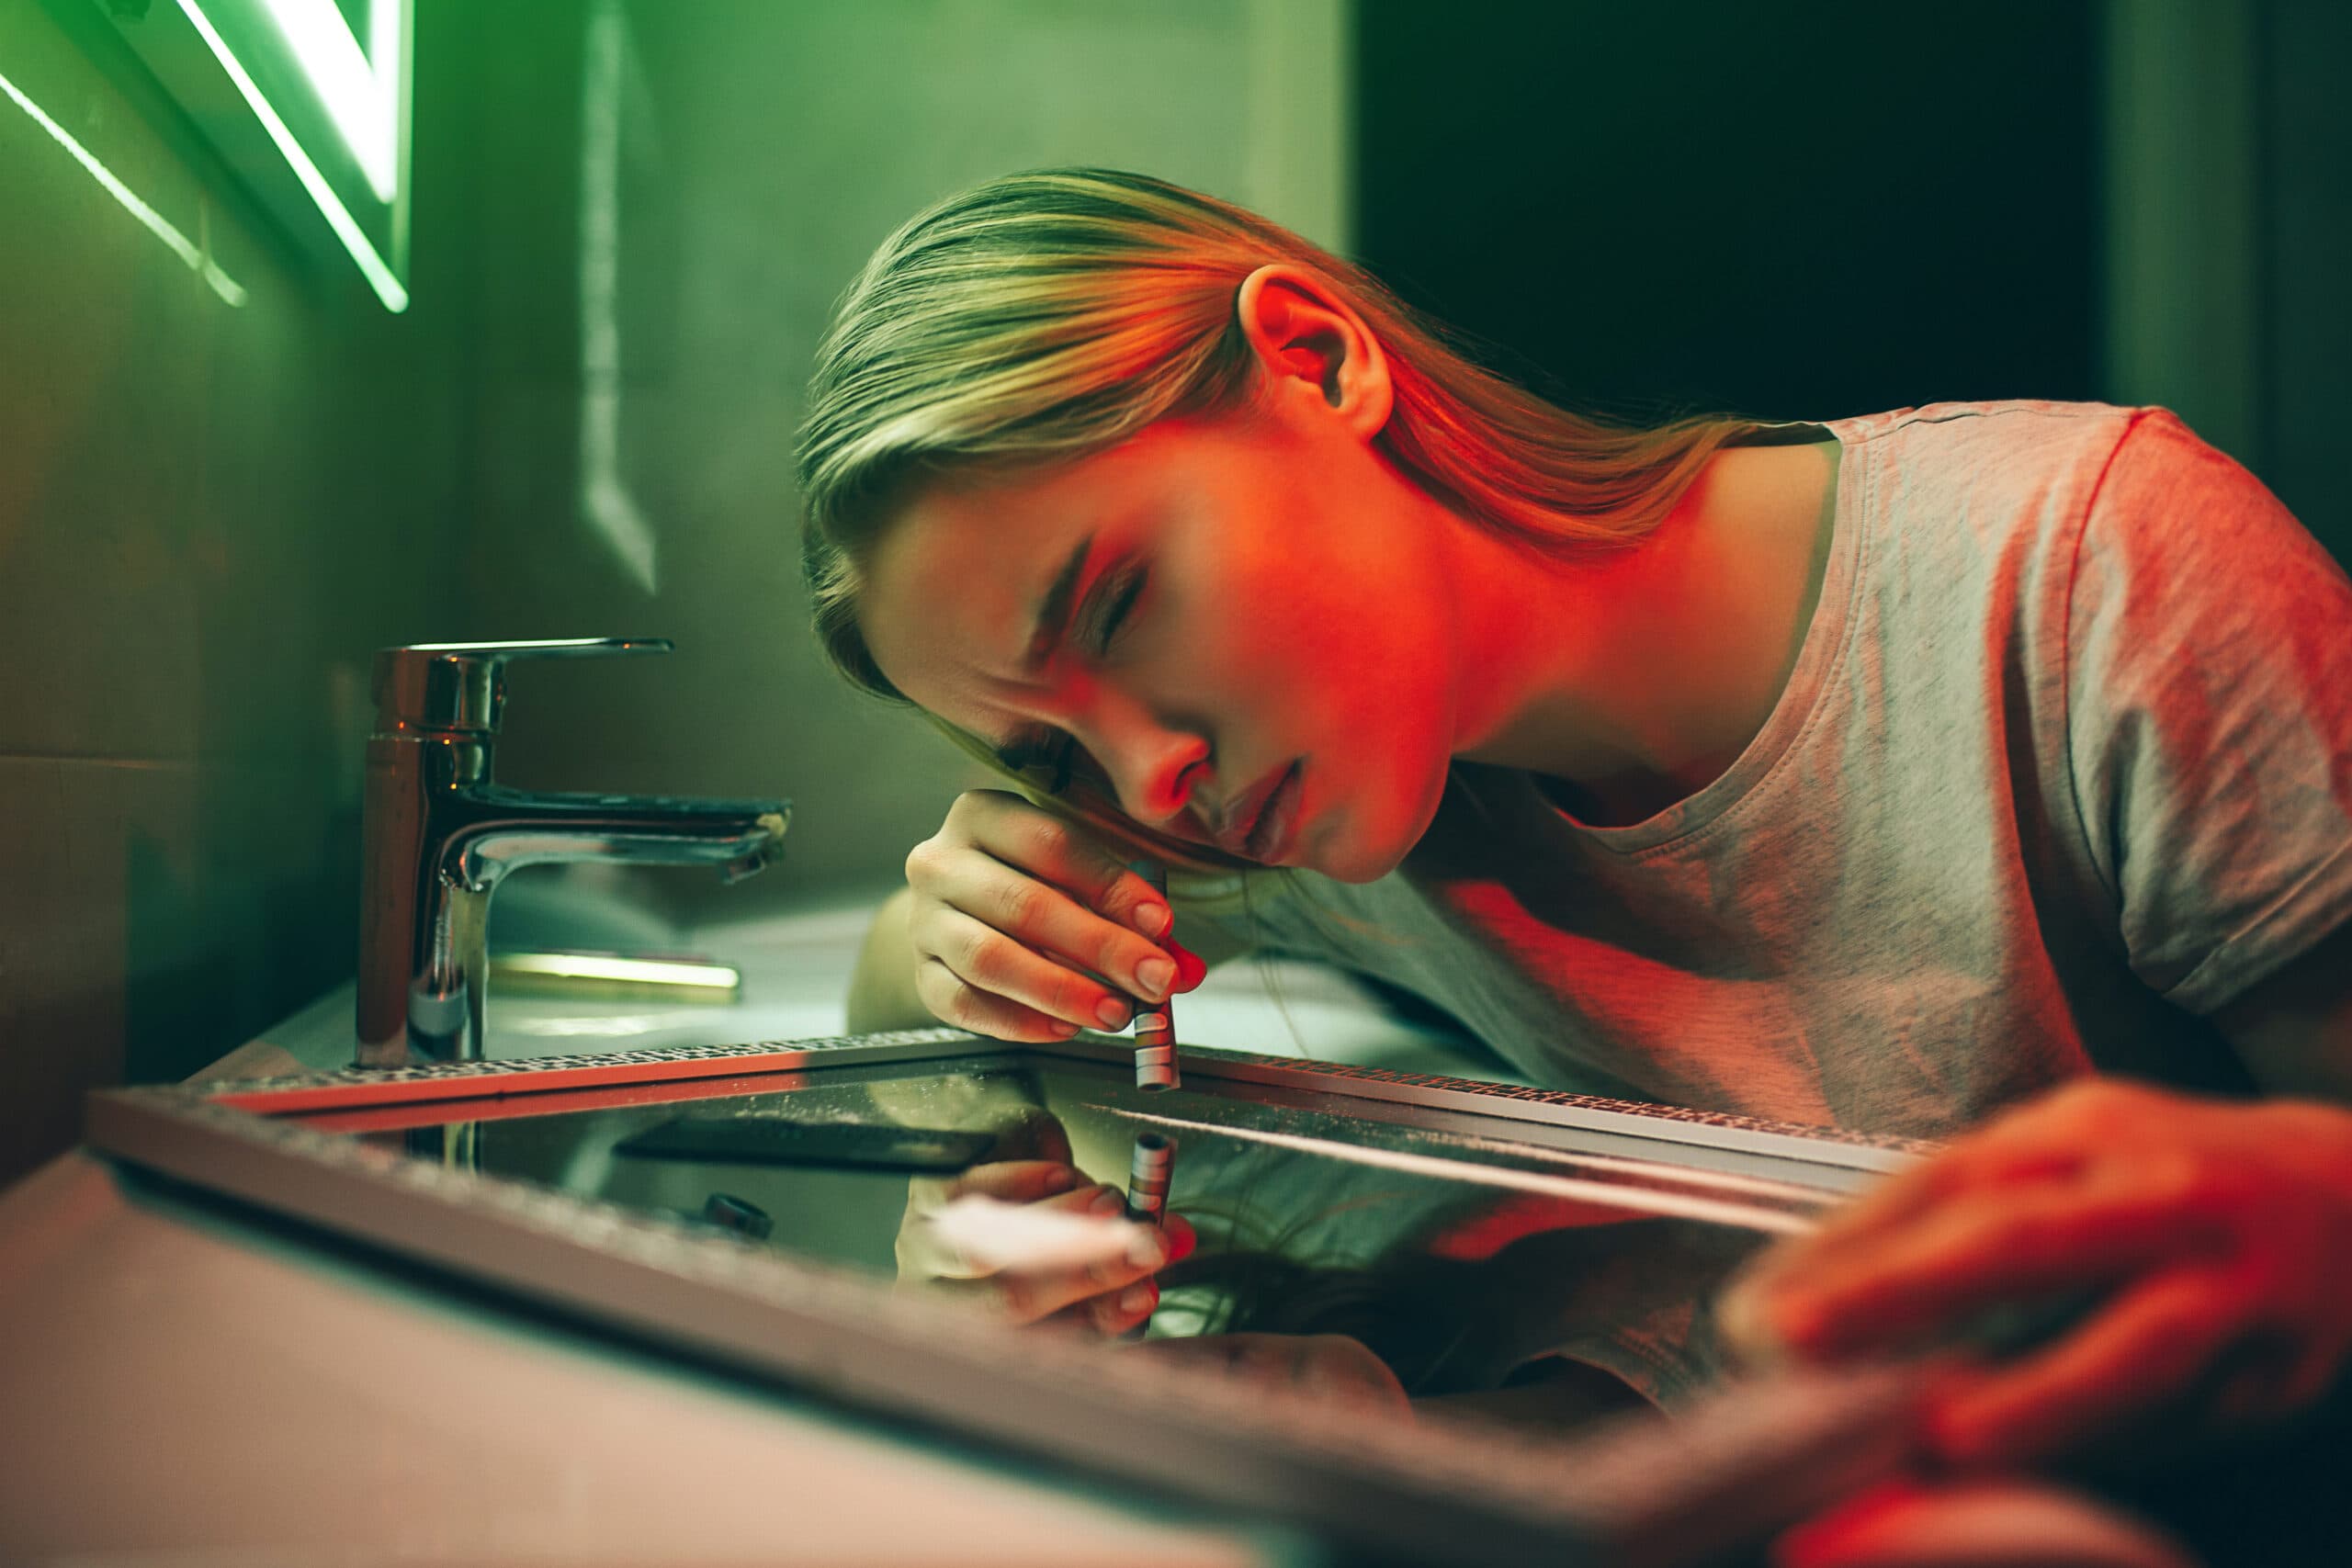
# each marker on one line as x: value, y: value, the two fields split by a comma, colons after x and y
x: 589, y: 1184
x: 795, y: 966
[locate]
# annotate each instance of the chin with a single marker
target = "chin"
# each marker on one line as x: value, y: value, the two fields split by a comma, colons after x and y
x: 1348, y: 848
x: 1345, y: 855
x: 1355, y: 855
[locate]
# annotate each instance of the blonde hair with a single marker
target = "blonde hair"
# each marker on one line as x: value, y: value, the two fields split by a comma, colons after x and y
x: 1050, y: 315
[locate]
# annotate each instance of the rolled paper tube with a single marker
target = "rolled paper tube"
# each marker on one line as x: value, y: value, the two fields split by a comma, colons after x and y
x: 1154, y: 1023
x: 1149, y: 1170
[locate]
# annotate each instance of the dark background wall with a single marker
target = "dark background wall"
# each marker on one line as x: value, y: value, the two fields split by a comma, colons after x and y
x: 1793, y: 212
x: 1802, y: 212
x: 2302, y: 332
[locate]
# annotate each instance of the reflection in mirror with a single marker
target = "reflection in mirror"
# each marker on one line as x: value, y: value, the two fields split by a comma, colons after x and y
x: 1330, y: 1246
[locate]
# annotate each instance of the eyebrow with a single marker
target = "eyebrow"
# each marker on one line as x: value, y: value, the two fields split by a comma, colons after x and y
x: 1053, y: 611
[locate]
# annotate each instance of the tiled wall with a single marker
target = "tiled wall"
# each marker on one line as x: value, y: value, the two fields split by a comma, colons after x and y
x: 209, y: 516
x: 766, y: 150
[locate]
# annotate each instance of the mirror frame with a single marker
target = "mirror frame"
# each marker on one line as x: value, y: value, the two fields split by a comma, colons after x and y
x: 1631, y: 1490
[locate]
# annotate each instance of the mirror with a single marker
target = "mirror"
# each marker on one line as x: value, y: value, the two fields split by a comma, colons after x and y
x: 1359, y: 1252
x: 1427, y: 1317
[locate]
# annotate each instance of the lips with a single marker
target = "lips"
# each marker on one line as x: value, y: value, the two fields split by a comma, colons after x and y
x: 1256, y: 824
x: 1270, y: 835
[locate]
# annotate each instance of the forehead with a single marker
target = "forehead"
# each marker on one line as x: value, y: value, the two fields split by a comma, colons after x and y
x: 955, y: 582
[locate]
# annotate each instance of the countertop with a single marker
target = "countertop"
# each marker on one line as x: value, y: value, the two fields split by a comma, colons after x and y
x: 189, y: 1383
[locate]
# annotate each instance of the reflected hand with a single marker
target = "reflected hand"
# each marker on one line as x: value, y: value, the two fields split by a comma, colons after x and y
x: 2216, y: 1237
x: 1110, y: 1292
x: 1328, y: 1367
x: 1013, y: 914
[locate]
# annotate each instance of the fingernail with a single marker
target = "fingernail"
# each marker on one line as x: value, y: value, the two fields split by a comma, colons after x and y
x: 1152, y: 976
x: 1147, y: 1250
x: 1113, y: 1013
x: 1065, y: 1179
x: 1137, y: 1297
x: 1110, y: 1201
x: 1150, y: 918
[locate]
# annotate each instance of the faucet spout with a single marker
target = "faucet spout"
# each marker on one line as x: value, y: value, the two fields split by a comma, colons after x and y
x: 511, y: 828
x: 440, y: 837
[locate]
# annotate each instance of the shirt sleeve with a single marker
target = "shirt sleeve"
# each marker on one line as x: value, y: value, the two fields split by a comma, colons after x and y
x: 2209, y: 722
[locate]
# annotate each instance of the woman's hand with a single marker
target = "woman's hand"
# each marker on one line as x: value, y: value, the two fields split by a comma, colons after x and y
x: 1980, y: 1522
x: 1330, y: 1367
x: 1111, y: 1293
x: 1017, y: 920
x: 2213, y: 1239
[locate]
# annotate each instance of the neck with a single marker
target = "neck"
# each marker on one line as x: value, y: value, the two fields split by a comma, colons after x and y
x: 1635, y: 677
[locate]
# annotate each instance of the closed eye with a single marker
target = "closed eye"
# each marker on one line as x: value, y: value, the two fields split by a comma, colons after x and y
x: 1109, y: 606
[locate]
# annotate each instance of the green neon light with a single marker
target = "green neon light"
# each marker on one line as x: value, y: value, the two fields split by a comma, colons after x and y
x: 157, y: 224
x: 352, y: 86
x: 387, y: 288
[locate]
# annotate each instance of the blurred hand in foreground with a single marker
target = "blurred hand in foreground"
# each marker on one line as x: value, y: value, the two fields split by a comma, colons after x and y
x: 2212, y: 1240
x: 1992, y: 1522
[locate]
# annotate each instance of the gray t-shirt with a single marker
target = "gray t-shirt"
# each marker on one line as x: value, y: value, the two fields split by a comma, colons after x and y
x: 2064, y: 764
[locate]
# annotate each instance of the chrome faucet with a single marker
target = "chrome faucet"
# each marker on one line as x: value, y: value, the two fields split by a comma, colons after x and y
x: 438, y: 837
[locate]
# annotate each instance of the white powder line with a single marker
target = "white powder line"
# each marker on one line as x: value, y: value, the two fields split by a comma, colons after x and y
x: 1727, y: 1180
x: 1639, y: 1199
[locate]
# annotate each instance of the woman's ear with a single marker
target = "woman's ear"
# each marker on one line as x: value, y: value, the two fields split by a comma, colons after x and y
x: 1306, y: 338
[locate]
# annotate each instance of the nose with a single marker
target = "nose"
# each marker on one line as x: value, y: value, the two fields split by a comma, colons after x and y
x: 1152, y: 764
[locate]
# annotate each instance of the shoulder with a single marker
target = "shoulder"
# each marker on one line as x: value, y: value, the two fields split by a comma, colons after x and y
x: 1995, y: 436
x: 1982, y: 477
x: 2172, y: 513
x: 2064, y: 481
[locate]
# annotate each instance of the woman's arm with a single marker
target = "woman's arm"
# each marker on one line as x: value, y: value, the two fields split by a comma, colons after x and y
x: 2293, y: 1030
x: 882, y: 986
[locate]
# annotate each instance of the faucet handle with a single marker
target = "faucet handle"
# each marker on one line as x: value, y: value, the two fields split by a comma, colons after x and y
x: 462, y: 685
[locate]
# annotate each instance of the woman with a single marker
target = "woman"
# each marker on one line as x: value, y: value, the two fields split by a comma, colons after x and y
x: 1880, y: 773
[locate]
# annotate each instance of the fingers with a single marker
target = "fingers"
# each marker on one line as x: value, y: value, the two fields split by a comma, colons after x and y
x: 1025, y: 1296
x: 2211, y: 1235
x: 1043, y: 848
x: 1023, y: 929
x: 2058, y: 1137
x: 1998, y: 1248
x: 1095, y: 1290
x: 2140, y: 1354
x: 1017, y: 1181
x: 1972, y: 1524
x: 1113, y: 1313
x: 975, y: 975
x: 925, y: 1254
